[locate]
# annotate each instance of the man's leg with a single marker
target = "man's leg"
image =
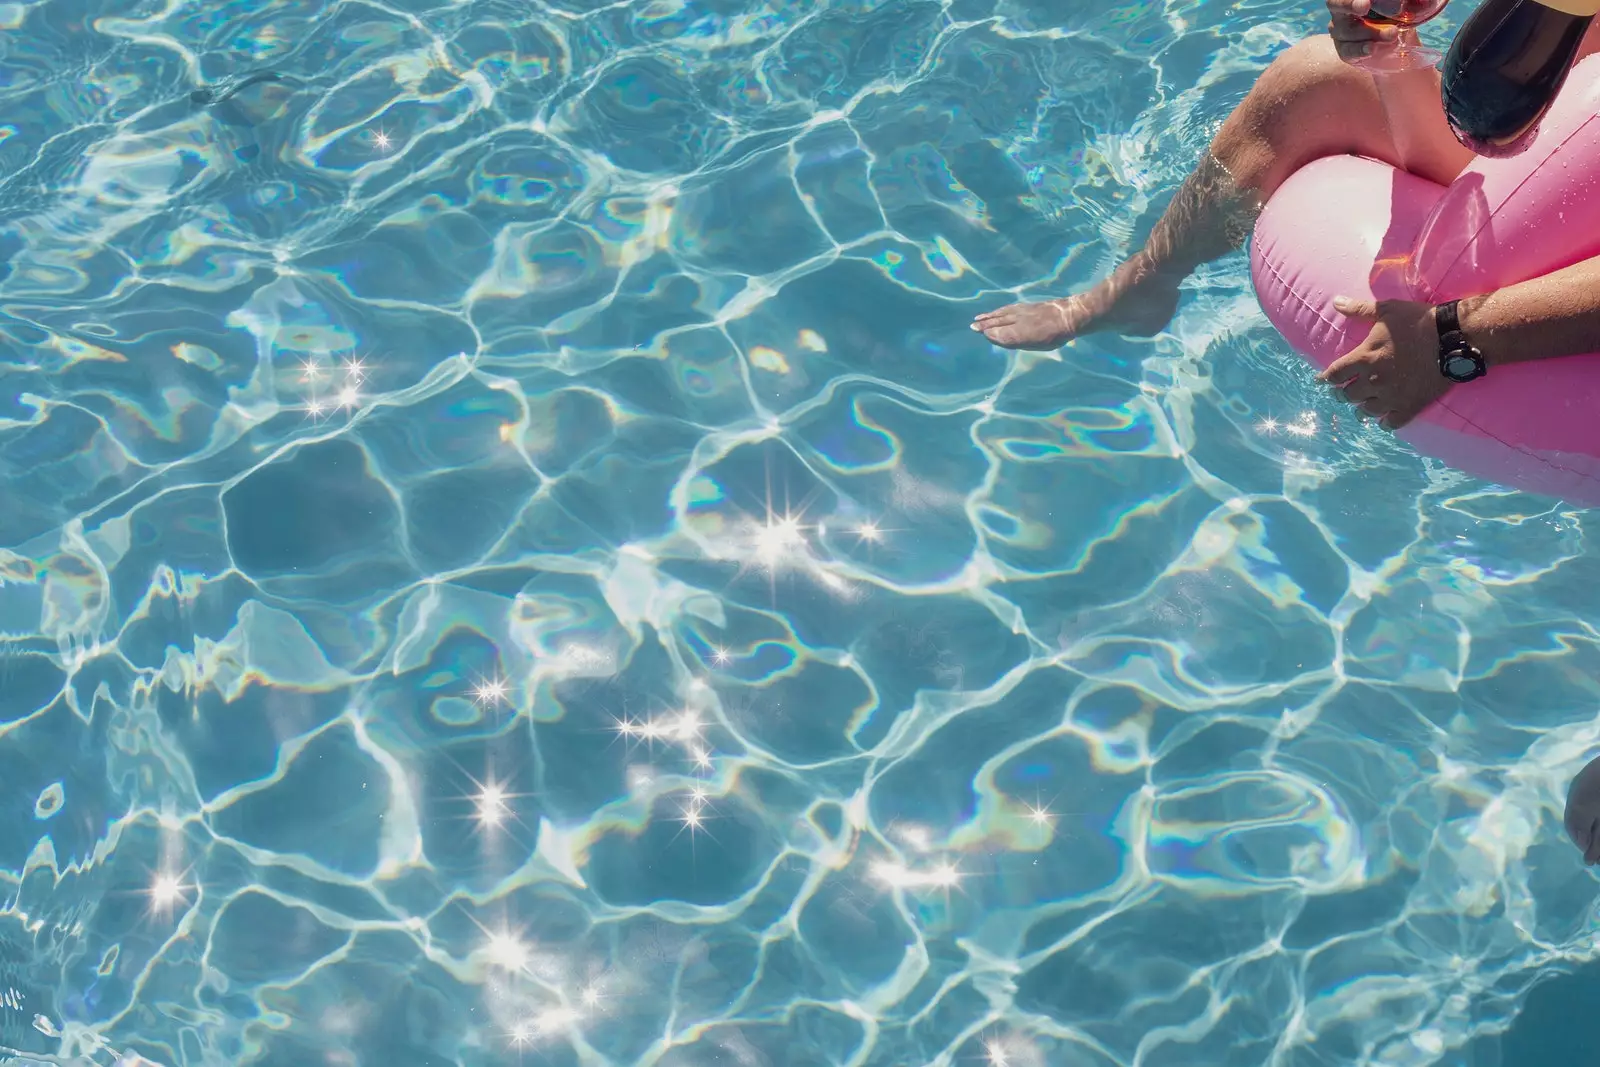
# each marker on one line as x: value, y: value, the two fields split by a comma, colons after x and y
x: 1306, y: 104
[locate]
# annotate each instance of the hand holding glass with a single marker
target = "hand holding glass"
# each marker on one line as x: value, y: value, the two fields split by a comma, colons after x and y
x: 1405, y: 52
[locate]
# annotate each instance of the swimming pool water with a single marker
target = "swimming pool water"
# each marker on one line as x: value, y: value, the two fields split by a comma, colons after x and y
x: 510, y: 554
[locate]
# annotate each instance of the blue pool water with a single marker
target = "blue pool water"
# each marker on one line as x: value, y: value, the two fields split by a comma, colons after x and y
x: 510, y: 554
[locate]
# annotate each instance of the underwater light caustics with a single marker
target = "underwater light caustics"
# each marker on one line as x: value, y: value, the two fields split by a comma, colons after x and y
x: 547, y: 1021
x: 899, y: 876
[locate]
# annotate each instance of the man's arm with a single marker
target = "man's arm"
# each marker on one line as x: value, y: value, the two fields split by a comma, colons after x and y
x: 1394, y: 373
x: 1556, y: 314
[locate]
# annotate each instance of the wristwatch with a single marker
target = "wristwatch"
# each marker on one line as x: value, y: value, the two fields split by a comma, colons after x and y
x: 1458, y: 360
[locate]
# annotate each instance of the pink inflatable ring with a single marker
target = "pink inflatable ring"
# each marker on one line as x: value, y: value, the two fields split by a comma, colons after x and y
x: 1351, y: 226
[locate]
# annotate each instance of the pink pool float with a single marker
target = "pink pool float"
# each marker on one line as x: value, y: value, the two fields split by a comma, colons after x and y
x: 1350, y: 226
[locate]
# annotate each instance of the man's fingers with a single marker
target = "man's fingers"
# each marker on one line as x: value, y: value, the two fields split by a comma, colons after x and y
x: 1352, y: 382
x: 1349, y: 30
x: 1361, y: 44
x: 1341, y: 372
x: 1347, y: 51
x: 1352, y: 37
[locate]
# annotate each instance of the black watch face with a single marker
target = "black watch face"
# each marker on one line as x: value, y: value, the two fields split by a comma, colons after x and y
x: 1463, y: 366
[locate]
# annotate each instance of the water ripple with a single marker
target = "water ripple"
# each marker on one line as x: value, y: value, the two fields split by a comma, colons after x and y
x: 511, y: 551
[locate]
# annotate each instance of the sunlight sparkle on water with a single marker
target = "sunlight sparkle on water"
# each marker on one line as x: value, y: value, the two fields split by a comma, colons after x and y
x: 899, y: 876
x: 555, y: 1019
x: 1302, y: 425
x: 696, y: 811
x: 165, y: 891
x: 550, y: 1021
x: 777, y: 538
x: 491, y: 804
x: 1012, y: 1050
x: 508, y: 951
x: 684, y: 728
x: 490, y: 691
x: 915, y: 836
x: 833, y: 581
x: 346, y: 396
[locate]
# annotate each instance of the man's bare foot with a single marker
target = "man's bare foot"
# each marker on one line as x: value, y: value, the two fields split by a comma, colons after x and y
x: 1135, y: 300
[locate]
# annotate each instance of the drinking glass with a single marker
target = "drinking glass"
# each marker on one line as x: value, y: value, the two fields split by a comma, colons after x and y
x: 1406, y: 52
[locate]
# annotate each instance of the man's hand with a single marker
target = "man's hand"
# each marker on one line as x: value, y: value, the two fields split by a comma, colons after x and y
x: 1352, y: 37
x: 1394, y: 373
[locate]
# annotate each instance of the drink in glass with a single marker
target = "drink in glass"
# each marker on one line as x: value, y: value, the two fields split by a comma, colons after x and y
x: 1406, y: 52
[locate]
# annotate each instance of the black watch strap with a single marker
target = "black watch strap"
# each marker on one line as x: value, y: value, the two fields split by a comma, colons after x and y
x: 1458, y: 359
x: 1448, y: 317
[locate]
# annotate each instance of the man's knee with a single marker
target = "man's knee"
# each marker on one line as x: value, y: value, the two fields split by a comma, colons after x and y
x: 1307, y: 103
x: 1311, y: 65
x: 1308, y: 92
